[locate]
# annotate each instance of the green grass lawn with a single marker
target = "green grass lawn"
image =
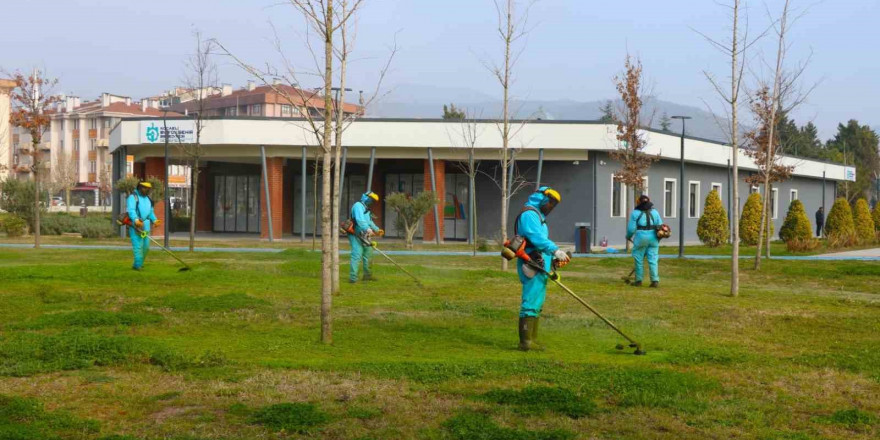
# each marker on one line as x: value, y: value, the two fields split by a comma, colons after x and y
x: 90, y: 349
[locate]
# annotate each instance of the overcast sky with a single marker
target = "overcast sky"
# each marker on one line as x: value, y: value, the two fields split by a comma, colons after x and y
x: 575, y: 47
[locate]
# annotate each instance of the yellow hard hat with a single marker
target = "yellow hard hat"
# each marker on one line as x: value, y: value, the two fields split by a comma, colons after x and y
x: 552, y: 193
x: 373, y: 196
x: 146, y: 185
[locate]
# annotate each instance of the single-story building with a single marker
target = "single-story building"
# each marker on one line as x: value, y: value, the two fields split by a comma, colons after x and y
x: 393, y: 156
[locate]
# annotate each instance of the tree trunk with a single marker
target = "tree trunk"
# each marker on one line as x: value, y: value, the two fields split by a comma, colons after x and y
x: 734, y: 126
x: 37, y: 164
x: 337, y: 159
x: 474, y: 213
x: 194, y: 196
x: 326, y: 239
x: 67, y: 199
x: 769, y: 222
x: 315, y: 203
x: 410, y: 233
x: 505, y: 131
x: 761, y: 229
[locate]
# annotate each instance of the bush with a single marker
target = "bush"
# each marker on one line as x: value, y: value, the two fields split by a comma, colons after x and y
x: 410, y: 211
x: 750, y: 222
x: 863, y: 222
x: 801, y: 244
x: 17, y: 197
x: 103, y: 229
x: 713, y: 228
x: 127, y: 185
x: 180, y: 223
x: 57, y: 224
x: 876, y: 216
x: 839, y: 226
x: 797, y: 225
x: 14, y: 226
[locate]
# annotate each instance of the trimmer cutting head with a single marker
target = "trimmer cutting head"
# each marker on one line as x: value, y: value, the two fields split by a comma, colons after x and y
x: 638, y: 352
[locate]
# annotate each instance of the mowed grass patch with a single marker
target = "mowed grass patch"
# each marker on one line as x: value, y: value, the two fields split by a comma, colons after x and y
x: 777, y: 362
x: 26, y: 419
x: 473, y: 425
x: 290, y: 417
x: 537, y: 399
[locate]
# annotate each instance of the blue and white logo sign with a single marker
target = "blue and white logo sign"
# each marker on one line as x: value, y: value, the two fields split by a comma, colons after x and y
x: 177, y: 132
x: 849, y: 174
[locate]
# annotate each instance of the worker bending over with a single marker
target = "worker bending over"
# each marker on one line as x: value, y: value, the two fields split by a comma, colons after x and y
x: 531, y: 224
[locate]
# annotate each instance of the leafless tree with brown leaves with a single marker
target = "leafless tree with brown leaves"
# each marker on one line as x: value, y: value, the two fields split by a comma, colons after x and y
x: 630, y: 153
x: 30, y: 98
x: 773, y: 98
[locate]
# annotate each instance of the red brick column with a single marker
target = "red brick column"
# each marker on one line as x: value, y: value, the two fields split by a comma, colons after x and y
x: 275, y: 172
x: 440, y: 176
x: 204, y: 218
x: 155, y: 167
x: 378, y: 187
x: 287, y: 204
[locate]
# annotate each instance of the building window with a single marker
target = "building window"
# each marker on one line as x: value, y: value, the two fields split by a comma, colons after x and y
x: 774, y: 206
x: 643, y: 191
x: 76, y: 124
x: 285, y: 110
x: 256, y: 110
x: 92, y: 145
x: 669, y: 198
x: 717, y: 187
x: 792, y: 195
x: 93, y: 124
x: 618, y: 198
x: 693, y: 199
x: 93, y: 166
x: 230, y: 111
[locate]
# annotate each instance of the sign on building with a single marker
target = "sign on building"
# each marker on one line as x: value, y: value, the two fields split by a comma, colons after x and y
x: 849, y: 174
x: 178, y: 132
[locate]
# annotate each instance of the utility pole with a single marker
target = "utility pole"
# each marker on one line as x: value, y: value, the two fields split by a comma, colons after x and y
x: 681, y: 189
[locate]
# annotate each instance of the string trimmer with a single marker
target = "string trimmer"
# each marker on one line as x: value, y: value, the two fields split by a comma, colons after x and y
x: 516, y: 249
x: 375, y: 246
x: 125, y: 220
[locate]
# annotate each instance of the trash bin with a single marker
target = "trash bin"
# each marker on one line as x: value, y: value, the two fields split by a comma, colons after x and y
x: 83, y: 212
x: 582, y: 238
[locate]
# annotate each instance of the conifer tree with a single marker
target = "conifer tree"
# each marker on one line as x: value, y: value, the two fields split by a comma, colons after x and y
x: 863, y: 222
x: 797, y: 225
x: 713, y: 228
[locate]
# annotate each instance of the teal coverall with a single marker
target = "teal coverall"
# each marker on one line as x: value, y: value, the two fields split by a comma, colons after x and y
x: 532, y: 226
x: 140, y: 207
x: 362, y: 219
x: 645, y: 242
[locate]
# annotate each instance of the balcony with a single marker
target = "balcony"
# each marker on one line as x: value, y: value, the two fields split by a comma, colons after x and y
x: 105, y: 142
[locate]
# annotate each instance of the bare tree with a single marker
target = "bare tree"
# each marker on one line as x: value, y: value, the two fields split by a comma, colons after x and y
x: 30, y: 98
x: 201, y: 80
x: 511, y: 29
x: 465, y: 138
x: 634, y: 163
x: 64, y: 175
x: 770, y: 99
x: 735, y: 50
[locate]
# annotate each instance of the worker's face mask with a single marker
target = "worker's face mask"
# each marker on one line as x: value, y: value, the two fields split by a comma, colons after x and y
x: 547, y: 207
x: 145, y: 191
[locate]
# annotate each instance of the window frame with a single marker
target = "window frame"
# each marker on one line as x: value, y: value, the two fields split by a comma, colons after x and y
x: 621, y: 199
x: 774, y: 203
x: 674, y: 198
x: 256, y: 110
x: 793, y: 195
x: 720, y: 187
x: 696, y: 201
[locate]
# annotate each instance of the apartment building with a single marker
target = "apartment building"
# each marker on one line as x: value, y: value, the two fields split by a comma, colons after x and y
x: 275, y: 101
x: 6, y: 158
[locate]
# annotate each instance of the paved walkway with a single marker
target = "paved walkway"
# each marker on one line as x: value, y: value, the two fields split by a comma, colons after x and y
x: 862, y: 255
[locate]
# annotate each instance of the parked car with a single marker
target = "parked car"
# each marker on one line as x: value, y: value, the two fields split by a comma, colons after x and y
x: 58, y: 201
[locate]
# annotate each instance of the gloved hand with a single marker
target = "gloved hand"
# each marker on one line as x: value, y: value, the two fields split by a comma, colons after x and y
x: 561, y: 257
x: 139, y: 224
x: 157, y: 222
x: 381, y: 232
x: 370, y: 233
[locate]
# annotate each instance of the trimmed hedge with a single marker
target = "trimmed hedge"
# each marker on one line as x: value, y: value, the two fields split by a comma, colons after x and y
x: 713, y: 228
x: 839, y: 225
x: 797, y: 225
x: 14, y: 226
x: 98, y: 226
x: 876, y: 216
x: 750, y: 222
x: 863, y: 222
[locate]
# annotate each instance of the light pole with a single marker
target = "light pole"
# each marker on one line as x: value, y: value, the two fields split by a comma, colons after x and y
x: 681, y: 190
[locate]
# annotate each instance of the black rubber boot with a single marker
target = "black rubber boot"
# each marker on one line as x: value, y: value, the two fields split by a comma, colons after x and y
x: 525, y: 332
x: 655, y: 284
x: 636, y: 284
x: 369, y: 277
x: 534, y: 338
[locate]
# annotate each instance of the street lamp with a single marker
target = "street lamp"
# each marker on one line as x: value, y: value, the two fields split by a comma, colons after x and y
x: 681, y: 190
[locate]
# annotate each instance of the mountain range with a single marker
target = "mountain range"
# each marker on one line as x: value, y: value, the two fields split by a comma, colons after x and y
x: 423, y: 101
